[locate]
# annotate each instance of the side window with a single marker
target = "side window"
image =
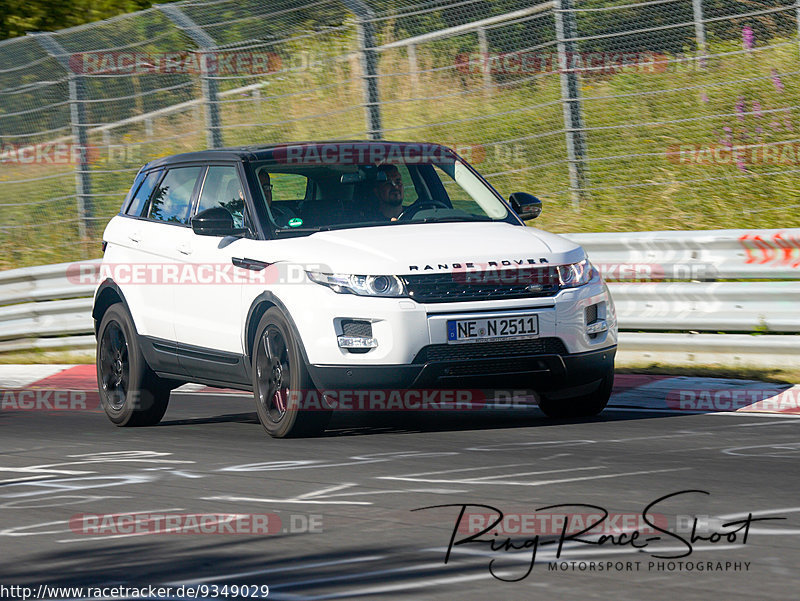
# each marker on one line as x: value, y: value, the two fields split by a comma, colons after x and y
x: 143, y: 194
x: 410, y: 194
x: 222, y: 188
x: 172, y: 198
x: 288, y: 186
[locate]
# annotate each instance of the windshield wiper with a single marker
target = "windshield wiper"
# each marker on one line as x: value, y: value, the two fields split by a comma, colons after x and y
x: 328, y: 228
x: 452, y: 219
x: 301, y: 230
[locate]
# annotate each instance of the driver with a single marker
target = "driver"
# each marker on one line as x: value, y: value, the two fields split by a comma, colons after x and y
x: 281, y: 215
x: 388, y: 195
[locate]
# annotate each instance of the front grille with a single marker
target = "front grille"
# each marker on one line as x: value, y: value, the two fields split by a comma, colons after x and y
x: 461, y: 286
x: 488, y: 368
x: 489, y: 350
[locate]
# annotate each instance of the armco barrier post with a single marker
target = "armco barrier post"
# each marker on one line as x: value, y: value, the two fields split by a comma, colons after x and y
x: 207, y: 82
x: 566, y: 32
x: 77, y: 118
x: 367, y: 47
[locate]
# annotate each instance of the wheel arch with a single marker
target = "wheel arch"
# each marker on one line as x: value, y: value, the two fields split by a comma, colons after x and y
x: 108, y: 294
x: 260, y: 305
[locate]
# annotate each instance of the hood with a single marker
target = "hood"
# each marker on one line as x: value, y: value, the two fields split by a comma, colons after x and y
x: 422, y: 248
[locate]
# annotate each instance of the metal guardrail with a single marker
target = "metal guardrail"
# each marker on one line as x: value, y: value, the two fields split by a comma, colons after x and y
x: 665, y: 285
x: 709, y: 306
x: 728, y: 350
x: 708, y: 255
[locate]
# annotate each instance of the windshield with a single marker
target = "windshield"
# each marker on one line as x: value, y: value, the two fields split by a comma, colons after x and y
x: 307, y: 198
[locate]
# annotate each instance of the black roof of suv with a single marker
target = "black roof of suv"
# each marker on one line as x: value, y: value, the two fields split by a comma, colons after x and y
x: 263, y: 152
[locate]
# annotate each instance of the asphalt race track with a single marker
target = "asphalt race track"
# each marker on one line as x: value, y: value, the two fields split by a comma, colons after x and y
x: 341, y: 505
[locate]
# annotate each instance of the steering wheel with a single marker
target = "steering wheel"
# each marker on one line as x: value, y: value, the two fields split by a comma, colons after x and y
x: 416, y: 207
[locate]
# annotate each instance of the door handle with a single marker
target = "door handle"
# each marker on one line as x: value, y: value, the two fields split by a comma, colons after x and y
x: 184, y: 249
x: 135, y: 237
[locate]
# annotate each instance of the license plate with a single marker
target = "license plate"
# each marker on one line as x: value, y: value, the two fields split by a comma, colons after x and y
x: 492, y: 328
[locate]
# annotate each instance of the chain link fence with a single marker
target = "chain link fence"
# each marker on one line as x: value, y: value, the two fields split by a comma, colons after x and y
x: 620, y: 115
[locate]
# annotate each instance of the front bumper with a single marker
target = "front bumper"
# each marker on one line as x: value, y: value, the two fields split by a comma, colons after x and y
x: 546, y: 371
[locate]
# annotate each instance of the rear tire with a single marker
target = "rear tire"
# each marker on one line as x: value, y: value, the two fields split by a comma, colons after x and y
x: 130, y: 392
x: 278, y: 371
x: 587, y: 405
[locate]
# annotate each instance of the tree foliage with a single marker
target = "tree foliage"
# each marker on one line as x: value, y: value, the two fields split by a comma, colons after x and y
x: 17, y: 17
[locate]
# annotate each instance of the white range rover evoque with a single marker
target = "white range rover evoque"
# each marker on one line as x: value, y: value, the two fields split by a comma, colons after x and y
x: 336, y: 266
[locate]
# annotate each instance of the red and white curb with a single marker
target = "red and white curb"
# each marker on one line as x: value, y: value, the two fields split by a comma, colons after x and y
x: 631, y: 391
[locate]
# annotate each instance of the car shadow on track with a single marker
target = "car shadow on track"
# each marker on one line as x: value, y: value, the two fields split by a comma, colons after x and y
x: 242, y: 418
x: 365, y: 423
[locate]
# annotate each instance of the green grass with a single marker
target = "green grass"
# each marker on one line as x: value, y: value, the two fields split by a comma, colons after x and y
x: 775, y: 375
x: 627, y: 193
x: 41, y: 357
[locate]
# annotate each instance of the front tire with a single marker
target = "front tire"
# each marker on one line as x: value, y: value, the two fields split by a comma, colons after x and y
x: 130, y: 392
x: 587, y: 405
x: 281, y: 382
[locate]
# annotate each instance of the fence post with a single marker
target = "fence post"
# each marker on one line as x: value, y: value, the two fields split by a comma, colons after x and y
x: 483, y: 48
x: 369, y: 65
x: 208, y: 84
x: 80, y: 134
x: 413, y: 67
x: 566, y: 32
x: 797, y: 16
x: 699, y: 27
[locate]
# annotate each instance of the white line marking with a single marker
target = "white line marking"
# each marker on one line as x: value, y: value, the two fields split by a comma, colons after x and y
x: 471, y: 469
x: 681, y: 412
x: 28, y: 479
x: 540, y: 482
x: 16, y: 531
x: 760, y: 512
x: 315, y: 497
x: 480, y: 480
x: 233, y: 499
x: 510, y: 445
x: 765, y: 512
x: 57, y: 501
x: 389, y: 588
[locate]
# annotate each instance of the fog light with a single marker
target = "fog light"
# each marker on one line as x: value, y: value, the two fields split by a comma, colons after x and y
x: 357, y: 342
x: 598, y: 326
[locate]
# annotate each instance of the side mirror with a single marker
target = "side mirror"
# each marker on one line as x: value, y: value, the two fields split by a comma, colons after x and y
x: 527, y: 206
x: 216, y: 221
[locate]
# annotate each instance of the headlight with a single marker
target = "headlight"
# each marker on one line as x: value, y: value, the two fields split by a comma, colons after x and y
x: 363, y: 285
x: 576, y: 274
